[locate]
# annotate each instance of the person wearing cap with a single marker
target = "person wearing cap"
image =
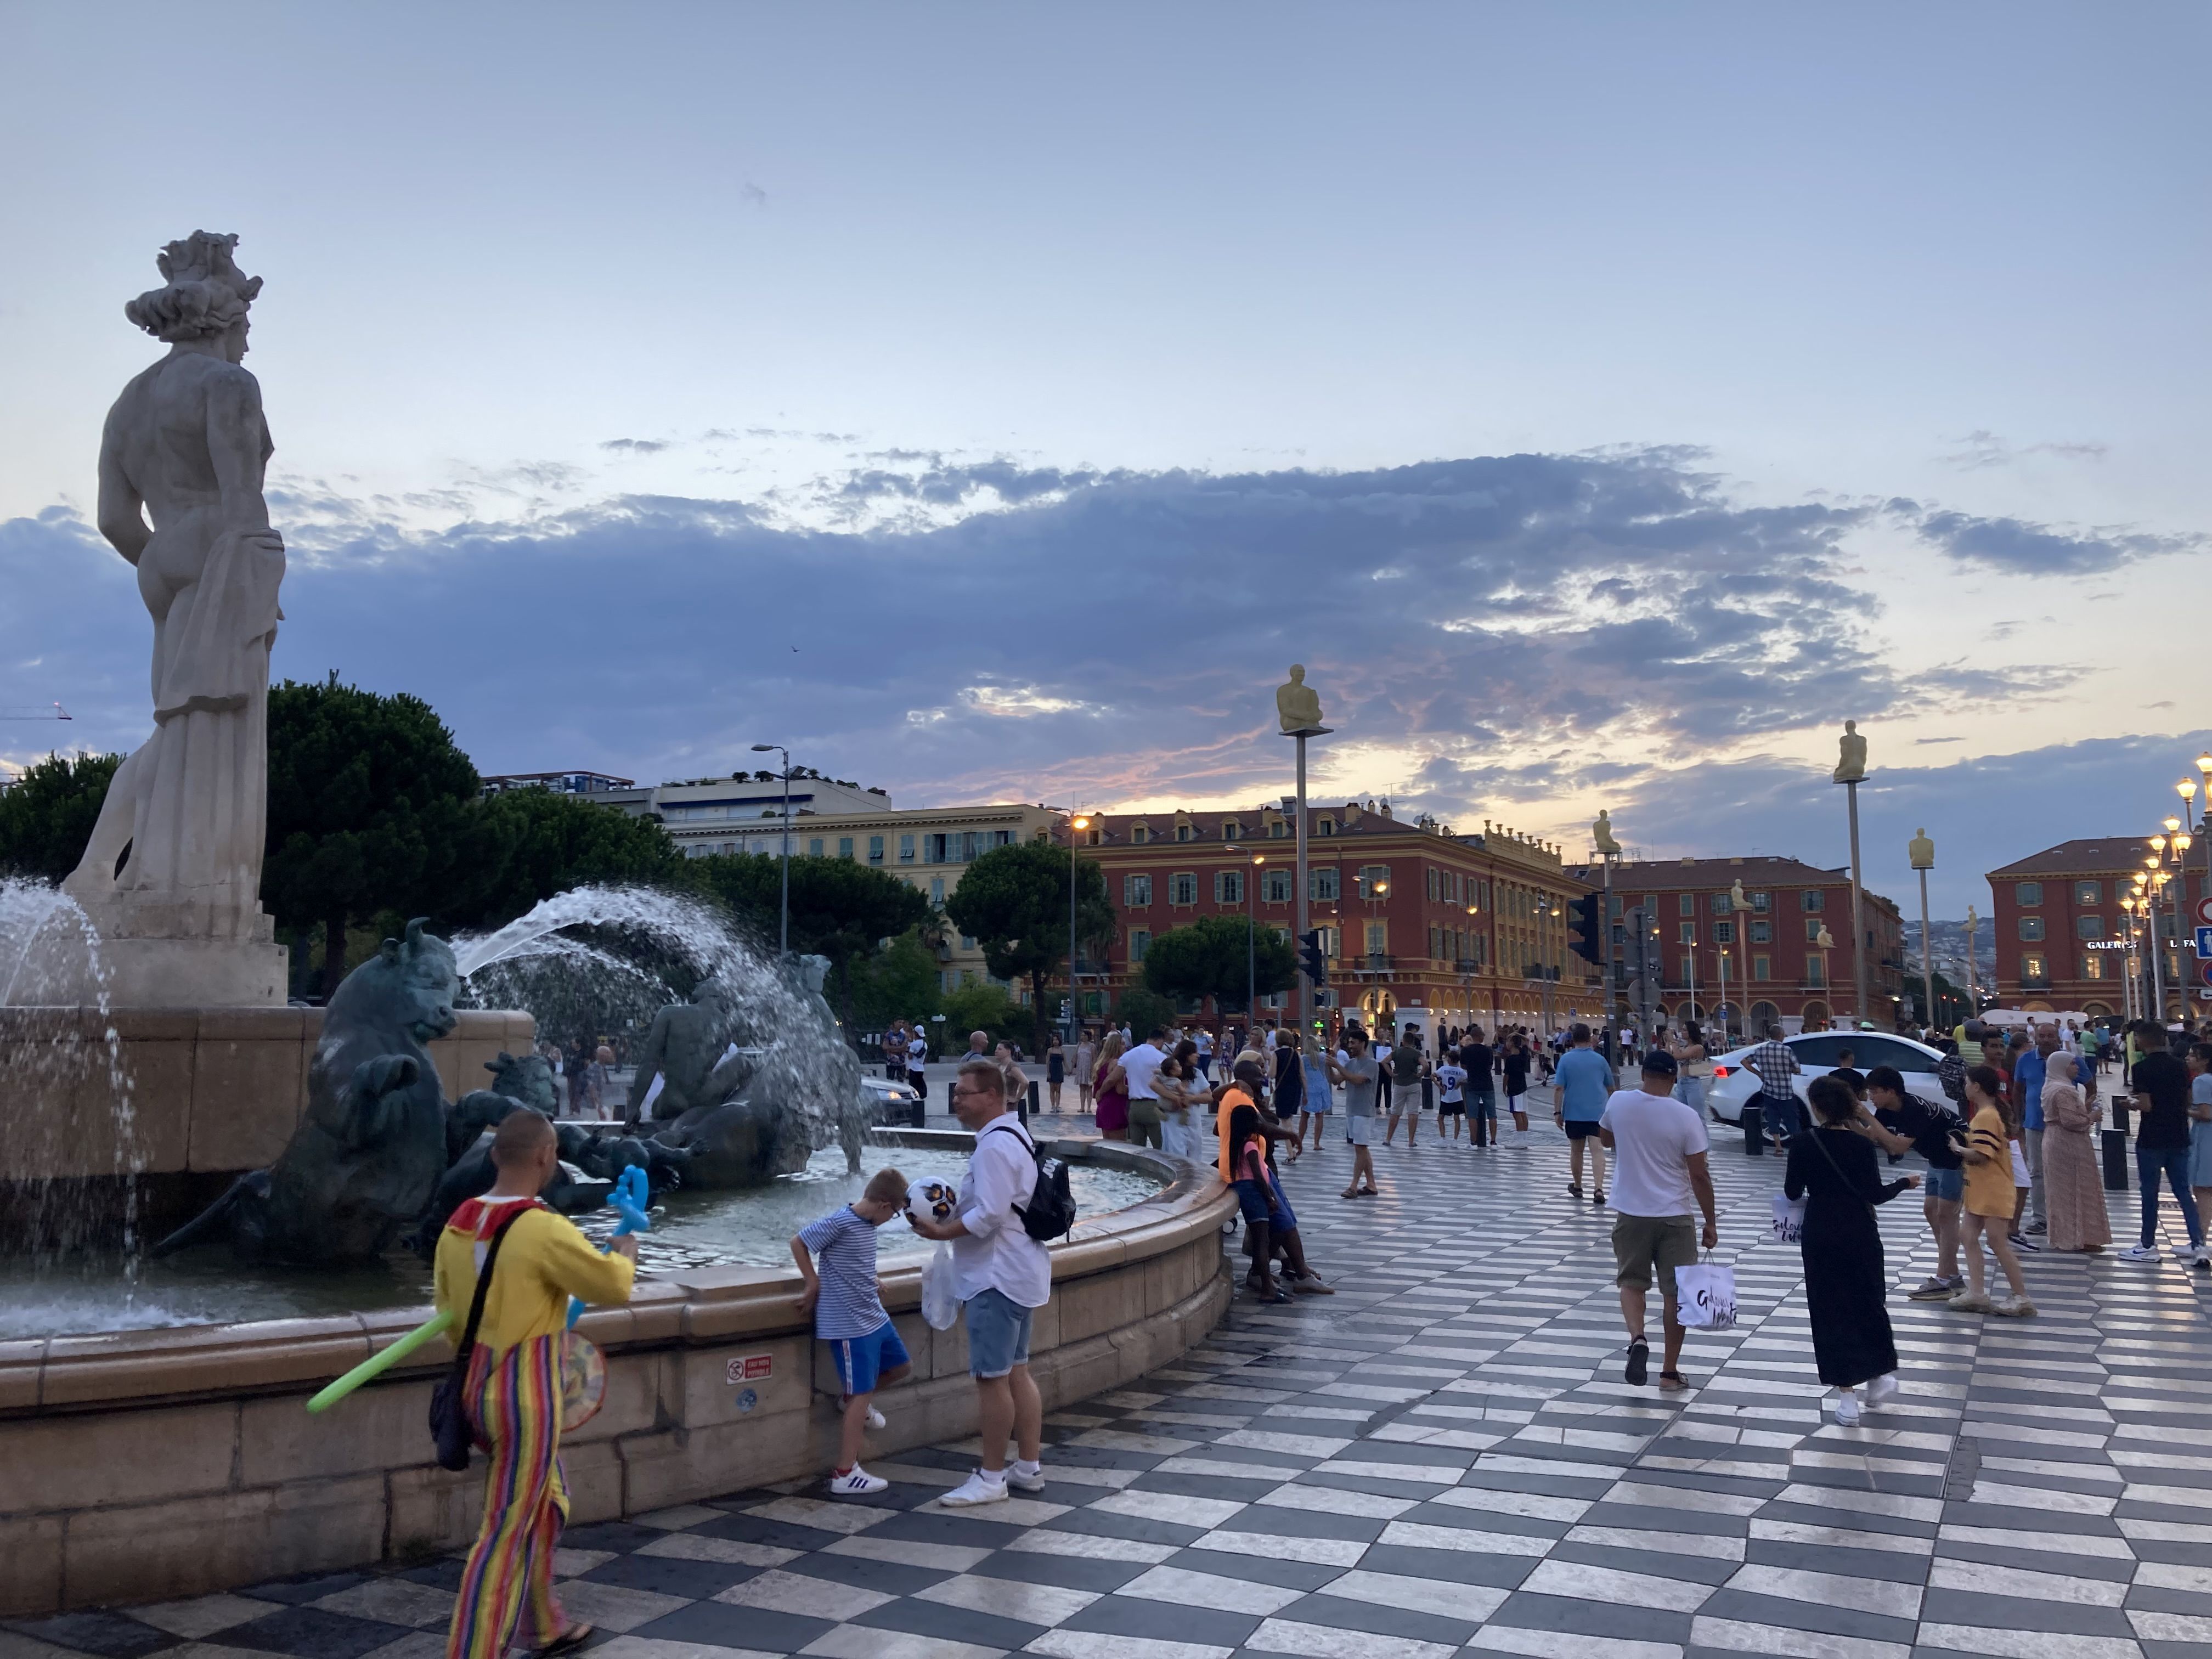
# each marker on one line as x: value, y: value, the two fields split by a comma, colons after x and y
x: 1247, y: 1167
x: 1659, y: 1174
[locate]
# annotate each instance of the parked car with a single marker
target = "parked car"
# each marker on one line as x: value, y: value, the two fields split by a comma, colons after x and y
x: 895, y: 1105
x: 1820, y: 1053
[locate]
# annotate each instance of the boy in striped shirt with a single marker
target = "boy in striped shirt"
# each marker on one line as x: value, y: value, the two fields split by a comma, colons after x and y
x: 836, y: 1256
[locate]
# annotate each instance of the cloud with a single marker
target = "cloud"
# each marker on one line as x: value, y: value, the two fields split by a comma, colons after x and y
x: 1980, y: 450
x: 636, y: 446
x: 998, y: 631
x: 2012, y: 544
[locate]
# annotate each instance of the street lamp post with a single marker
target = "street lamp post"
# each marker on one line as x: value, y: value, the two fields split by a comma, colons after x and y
x: 1251, y: 954
x: 1824, y: 943
x: 783, y: 909
x: 1080, y: 820
x: 1305, y: 711
x: 1973, y: 987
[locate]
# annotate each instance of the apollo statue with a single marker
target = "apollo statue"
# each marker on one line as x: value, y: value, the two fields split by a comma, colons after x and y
x: 176, y: 854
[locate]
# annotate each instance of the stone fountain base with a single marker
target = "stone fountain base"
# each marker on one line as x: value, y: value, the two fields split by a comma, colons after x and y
x: 145, y: 1465
x: 210, y: 1092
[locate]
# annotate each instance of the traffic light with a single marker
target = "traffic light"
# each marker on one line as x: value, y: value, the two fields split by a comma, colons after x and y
x: 1588, y: 927
x: 1312, y: 958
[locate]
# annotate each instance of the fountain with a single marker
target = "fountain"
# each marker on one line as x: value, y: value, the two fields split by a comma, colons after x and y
x: 150, y: 1406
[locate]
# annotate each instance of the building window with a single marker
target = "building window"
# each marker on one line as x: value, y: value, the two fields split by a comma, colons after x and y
x: 1724, y: 933
x: 1436, y: 943
x: 1182, y: 888
x: 2088, y: 892
x: 1140, y: 941
x: 1378, y: 938
x: 1812, y: 930
x: 1686, y: 904
x: 814, y: 846
x: 1762, y: 932
x: 932, y: 849
x: 1276, y: 886
x: 1094, y: 838
x: 937, y: 889
x: 906, y: 849
x: 971, y: 845
x: 967, y: 941
x: 1760, y: 903
x: 1141, y: 836
x: 1322, y: 885
x: 1184, y: 832
x: 1231, y: 831
x: 1002, y: 838
x: 1371, y: 878
x: 2027, y: 894
x: 875, y: 849
x: 1762, y: 967
x: 1811, y: 899
x: 1689, y: 933
x: 844, y: 847
x: 1229, y: 887
x: 1723, y: 905
x: 2092, y: 965
x: 1136, y: 892
x: 2030, y: 927
x: 1815, y: 975
x: 1279, y: 830
x: 2088, y: 927
x: 1324, y: 826
x: 2032, y: 966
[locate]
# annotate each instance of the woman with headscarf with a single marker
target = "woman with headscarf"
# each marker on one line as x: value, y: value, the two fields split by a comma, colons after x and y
x: 2073, y: 1192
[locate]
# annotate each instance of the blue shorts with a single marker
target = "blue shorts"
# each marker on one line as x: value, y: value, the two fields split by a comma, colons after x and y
x: 998, y: 1335
x: 1945, y: 1183
x: 861, y: 1359
x: 1264, y: 1201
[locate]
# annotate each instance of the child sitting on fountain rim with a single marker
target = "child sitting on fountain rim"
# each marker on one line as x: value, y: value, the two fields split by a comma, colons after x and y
x: 836, y: 1256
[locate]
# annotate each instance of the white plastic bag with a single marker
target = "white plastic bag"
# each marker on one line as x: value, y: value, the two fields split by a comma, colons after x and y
x: 1706, y: 1297
x: 1788, y: 1218
x: 940, y: 1306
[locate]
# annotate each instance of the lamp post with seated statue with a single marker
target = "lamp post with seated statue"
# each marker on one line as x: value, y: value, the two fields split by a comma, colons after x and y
x: 1850, y: 771
x: 1297, y: 711
x: 1608, y: 853
x: 1921, y: 851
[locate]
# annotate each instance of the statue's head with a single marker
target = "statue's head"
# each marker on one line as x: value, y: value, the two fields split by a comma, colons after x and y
x: 712, y: 992
x: 205, y: 298
x: 1298, y: 674
x: 525, y: 1078
x: 414, y: 979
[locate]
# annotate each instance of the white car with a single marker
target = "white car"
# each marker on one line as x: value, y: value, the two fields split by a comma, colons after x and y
x: 1820, y: 1053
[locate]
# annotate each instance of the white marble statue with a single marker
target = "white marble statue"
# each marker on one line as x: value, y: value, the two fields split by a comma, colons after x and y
x: 177, y: 851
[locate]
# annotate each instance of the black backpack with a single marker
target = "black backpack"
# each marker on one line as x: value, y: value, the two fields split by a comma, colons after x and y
x: 1050, y: 1212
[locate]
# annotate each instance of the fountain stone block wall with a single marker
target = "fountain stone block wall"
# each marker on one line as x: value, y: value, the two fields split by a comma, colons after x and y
x: 145, y: 1465
x: 207, y: 1092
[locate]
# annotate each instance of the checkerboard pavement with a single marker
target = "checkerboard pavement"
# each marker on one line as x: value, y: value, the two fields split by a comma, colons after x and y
x: 1443, y: 1459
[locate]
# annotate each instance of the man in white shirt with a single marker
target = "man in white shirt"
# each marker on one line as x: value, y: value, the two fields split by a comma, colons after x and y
x: 1142, y: 1065
x: 917, y: 1058
x: 1002, y: 1275
x: 1659, y: 1174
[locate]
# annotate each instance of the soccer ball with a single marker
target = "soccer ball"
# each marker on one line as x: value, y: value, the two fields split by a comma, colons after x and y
x: 936, y: 1199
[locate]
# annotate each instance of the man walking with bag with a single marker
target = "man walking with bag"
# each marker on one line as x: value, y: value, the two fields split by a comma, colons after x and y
x: 1659, y: 1174
x: 1002, y: 1276
x: 505, y: 1267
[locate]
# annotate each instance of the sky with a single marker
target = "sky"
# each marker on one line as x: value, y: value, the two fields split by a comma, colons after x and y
x: 992, y: 401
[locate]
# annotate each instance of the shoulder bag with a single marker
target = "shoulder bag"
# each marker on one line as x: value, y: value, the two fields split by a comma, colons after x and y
x: 449, y: 1411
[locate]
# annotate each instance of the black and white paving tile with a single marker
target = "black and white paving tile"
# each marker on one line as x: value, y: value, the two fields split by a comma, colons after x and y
x: 1443, y: 1459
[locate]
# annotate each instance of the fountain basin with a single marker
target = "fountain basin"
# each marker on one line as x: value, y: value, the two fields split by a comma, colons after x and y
x: 151, y: 1464
x: 209, y: 1092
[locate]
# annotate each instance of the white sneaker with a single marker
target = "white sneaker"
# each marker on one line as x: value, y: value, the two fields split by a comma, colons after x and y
x: 856, y: 1482
x: 977, y: 1488
x: 875, y: 1418
x: 1881, y: 1389
x: 2138, y: 1253
x: 1847, y: 1410
x: 1021, y: 1480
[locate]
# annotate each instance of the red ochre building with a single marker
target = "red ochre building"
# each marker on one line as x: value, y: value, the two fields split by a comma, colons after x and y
x: 1460, y: 928
x: 1776, y: 973
x: 2060, y: 934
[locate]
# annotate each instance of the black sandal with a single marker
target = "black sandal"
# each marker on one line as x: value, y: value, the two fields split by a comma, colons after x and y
x: 569, y: 1640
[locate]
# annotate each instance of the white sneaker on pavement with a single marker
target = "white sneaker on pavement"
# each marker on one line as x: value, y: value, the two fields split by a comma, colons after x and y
x: 1847, y: 1410
x: 2138, y: 1253
x: 875, y: 1418
x: 1881, y: 1389
x: 977, y: 1488
x: 1025, y: 1480
x: 856, y: 1482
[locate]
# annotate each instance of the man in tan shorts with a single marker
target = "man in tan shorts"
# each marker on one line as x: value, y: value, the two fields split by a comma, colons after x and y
x: 1659, y: 1174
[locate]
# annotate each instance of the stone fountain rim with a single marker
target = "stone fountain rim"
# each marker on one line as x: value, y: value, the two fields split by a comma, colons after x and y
x: 118, y: 1369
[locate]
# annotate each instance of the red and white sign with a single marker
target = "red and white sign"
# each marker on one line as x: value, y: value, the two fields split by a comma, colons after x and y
x: 749, y: 1368
x: 2204, y: 912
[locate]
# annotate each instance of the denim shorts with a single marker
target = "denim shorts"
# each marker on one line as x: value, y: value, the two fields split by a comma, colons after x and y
x: 1945, y: 1183
x: 998, y: 1335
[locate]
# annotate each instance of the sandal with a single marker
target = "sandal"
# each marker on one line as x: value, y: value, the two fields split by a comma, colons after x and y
x: 1574, y: 1192
x: 1673, y: 1381
x: 567, y: 1641
x: 1349, y: 1192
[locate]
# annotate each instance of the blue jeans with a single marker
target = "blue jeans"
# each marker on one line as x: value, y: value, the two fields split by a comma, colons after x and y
x: 2172, y: 1163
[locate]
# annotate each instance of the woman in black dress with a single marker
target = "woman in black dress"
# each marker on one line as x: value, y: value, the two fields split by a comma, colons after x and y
x: 1833, y: 1169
